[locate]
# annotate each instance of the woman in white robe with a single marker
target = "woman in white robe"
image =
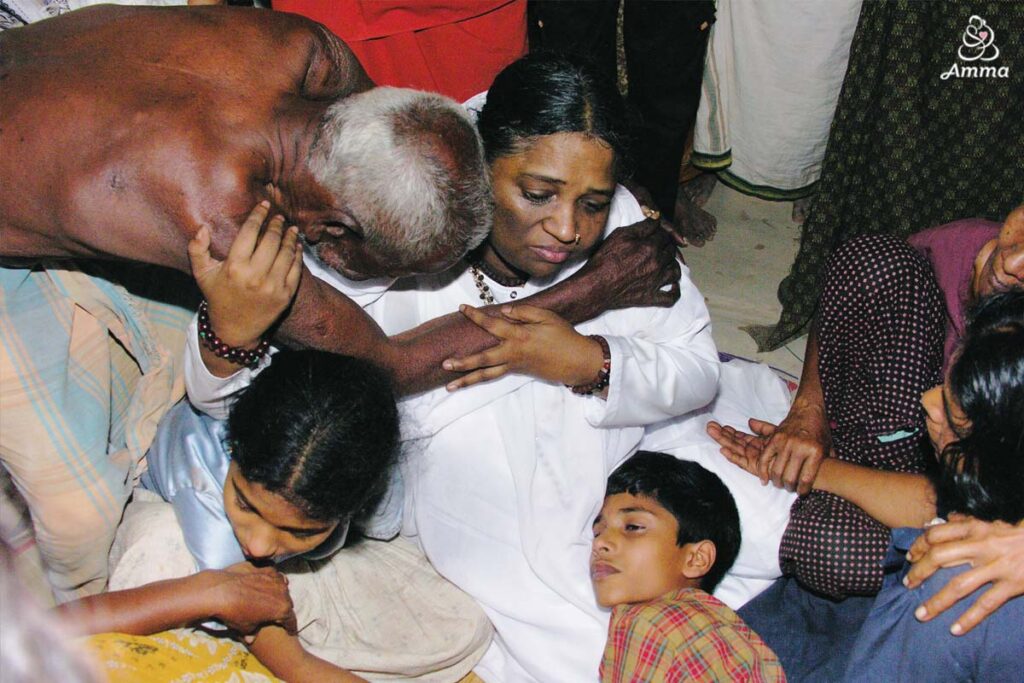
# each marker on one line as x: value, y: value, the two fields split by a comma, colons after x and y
x: 503, y: 479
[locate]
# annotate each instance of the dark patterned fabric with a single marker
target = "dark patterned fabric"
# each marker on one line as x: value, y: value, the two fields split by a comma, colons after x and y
x: 909, y: 149
x: 881, y: 332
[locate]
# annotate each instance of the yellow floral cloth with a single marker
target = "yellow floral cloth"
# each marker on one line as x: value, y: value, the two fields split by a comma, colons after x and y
x: 178, y: 656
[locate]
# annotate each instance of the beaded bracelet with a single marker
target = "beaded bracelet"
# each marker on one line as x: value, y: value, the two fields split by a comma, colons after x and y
x: 603, y: 375
x: 249, y: 358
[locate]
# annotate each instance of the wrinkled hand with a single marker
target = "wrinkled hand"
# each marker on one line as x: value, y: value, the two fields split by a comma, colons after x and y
x: 250, y: 597
x: 531, y: 341
x: 249, y: 290
x: 995, y: 551
x: 793, y: 451
x: 631, y: 267
x: 788, y: 455
x: 741, y: 449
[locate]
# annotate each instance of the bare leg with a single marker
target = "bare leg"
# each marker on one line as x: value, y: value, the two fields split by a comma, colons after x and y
x: 800, y: 208
x: 698, y: 190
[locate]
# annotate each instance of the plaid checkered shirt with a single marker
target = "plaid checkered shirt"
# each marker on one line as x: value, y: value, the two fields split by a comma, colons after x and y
x: 685, y: 636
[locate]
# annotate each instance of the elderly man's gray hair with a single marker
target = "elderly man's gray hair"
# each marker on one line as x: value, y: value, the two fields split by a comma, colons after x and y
x: 410, y: 166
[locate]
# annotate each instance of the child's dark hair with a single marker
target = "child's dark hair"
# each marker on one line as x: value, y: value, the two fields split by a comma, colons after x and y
x: 318, y: 429
x: 697, y: 498
x: 982, y: 473
x: 545, y: 93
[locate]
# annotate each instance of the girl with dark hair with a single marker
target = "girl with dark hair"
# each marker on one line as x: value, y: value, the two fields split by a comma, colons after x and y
x: 311, y: 443
x: 975, y: 421
x: 305, y: 448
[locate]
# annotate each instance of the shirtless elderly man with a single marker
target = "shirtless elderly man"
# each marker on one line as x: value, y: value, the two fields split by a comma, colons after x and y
x: 123, y: 132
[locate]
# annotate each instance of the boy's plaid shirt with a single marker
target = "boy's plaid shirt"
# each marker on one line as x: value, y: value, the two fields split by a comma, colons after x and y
x: 685, y: 636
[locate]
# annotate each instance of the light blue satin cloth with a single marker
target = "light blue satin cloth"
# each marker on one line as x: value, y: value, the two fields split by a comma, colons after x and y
x: 188, y: 465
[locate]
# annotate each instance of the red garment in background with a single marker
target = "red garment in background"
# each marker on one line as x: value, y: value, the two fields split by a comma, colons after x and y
x: 454, y: 47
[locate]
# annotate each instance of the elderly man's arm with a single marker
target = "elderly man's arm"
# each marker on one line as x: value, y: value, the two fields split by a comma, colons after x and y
x: 630, y: 269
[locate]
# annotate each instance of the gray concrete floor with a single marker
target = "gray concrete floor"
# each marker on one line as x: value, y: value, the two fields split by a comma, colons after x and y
x: 740, y: 270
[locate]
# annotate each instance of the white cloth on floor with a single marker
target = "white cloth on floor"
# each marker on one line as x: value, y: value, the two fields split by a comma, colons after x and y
x: 745, y: 390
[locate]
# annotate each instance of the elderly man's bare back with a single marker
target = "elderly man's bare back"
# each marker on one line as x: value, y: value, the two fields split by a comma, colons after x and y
x: 126, y: 128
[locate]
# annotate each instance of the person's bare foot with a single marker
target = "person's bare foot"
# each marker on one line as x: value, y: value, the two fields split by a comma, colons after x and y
x: 800, y: 209
x: 698, y: 190
x: 694, y: 223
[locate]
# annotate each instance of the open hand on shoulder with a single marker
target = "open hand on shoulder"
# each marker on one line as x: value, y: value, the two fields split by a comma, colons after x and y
x: 995, y: 552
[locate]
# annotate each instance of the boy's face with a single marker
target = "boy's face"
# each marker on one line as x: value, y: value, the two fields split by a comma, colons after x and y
x: 634, y: 556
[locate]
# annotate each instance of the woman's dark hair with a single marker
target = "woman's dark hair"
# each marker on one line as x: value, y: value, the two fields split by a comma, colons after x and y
x: 982, y: 473
x: 546, y: 93
x: 696, y: 497
x: 318, y: 429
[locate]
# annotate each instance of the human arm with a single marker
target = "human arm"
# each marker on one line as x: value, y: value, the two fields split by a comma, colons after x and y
x: 248, y: 292
x: 242, y: 596
x: 283, y: 654
x: 995, y: 552
x: 895, y: 499
x: 795, y: 450
x: 663, y: 362
x: 531, y: 341
x: 650, y: 210
x: 629, y: 269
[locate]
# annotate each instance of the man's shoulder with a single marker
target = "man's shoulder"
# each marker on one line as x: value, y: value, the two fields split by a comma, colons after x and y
x: 988, y: 652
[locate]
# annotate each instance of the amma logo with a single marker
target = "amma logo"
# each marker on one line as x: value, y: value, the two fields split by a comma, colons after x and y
x: 979, y: 45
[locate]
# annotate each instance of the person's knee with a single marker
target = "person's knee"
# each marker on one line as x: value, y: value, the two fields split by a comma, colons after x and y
x: 74, y: 551
x: 833, y: 548
x: 857, y: 262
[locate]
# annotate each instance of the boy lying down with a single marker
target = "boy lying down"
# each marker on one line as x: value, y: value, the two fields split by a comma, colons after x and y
x: 666, y: 535
x: 306, y: 452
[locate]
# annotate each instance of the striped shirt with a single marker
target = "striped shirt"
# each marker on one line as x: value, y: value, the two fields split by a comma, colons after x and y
x: 87, y: 369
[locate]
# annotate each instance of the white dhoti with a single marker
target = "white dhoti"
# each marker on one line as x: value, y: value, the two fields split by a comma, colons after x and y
x: 771, y: 83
